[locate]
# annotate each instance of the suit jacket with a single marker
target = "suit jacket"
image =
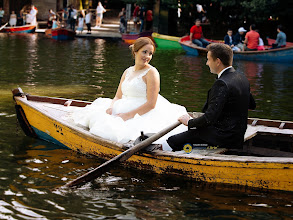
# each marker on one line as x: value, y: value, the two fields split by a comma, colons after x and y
x: 226, y: 110
x: 238, y: 38
x: 227, y: 40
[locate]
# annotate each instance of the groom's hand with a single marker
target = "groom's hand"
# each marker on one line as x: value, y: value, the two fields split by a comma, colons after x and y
x: 184, y: 119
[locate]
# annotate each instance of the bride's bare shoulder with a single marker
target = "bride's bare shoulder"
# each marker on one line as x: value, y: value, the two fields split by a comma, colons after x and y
x: 153, y: 72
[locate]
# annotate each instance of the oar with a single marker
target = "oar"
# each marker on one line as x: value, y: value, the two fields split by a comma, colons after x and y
x: 93, y: 174
x: 3, y: 26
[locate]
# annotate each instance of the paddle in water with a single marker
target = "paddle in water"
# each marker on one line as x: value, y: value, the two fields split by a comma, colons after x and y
x: 93, y: 174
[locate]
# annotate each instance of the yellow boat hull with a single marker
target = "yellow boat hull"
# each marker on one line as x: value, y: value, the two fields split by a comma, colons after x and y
x: 259, y: 172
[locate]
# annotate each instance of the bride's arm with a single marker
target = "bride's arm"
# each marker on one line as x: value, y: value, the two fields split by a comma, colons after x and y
x: 118, y: 94
x: 152, y: 80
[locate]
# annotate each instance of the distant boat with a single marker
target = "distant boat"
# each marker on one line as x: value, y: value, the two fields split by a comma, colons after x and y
x: 19, y: 29
x: 132, y: 36
x: 284, y: 54
x: 166, y: 41
x: 60, y: 34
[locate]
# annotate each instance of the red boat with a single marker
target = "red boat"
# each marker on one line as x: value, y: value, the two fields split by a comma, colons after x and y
x: 60, y: 34
x: 19, y: 29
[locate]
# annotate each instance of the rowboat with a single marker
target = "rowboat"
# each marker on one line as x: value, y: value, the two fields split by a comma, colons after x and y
x: 132, y: 36
x: 166, y: 41
x: 19, y: 29
x: 60, y: 34
x: 193, y: 49
x: 284, y: 54
x: 263, y: 167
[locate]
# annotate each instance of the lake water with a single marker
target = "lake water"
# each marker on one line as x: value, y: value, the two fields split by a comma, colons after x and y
x: 87, y: 69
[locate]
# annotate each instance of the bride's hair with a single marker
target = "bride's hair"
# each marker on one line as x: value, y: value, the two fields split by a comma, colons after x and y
x: 139, y: 43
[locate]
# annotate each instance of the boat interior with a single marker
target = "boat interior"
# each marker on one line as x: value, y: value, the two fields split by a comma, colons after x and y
x: 263, y: 138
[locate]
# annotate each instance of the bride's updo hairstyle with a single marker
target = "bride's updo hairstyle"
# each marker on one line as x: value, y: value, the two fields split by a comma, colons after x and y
x: 139, y: 43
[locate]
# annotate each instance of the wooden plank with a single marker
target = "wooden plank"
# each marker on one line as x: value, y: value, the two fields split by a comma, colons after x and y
x: 270, y: 123
x: 59, y: 101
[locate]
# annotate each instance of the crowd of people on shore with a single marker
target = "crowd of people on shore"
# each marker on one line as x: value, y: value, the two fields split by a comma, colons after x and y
x: 241, y: 41
x: 25, y: 16
x: 69, y: 17
x: 142, y: 19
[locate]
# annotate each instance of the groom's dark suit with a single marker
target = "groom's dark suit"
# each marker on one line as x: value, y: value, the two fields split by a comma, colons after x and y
x: 225, y: 114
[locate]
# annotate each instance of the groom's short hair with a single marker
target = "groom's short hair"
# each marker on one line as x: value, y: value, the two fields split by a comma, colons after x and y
x: 221, y: 51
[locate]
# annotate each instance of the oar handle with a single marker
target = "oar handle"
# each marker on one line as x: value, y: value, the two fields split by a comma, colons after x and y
x: 128, y: 153
x: 120, y: 158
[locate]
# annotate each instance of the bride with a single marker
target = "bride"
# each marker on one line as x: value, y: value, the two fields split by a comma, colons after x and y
x: 137, y: 105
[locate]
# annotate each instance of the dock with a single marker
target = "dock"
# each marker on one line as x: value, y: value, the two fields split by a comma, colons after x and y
x: 109, y: 29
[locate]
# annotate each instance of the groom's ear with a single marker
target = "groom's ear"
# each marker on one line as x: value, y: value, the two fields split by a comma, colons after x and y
x: 219, y: 62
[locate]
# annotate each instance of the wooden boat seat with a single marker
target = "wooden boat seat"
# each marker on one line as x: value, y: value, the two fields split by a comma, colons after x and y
x: 252, y: 131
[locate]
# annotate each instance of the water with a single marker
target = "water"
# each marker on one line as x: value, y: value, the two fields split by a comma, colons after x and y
x: 87, y: 69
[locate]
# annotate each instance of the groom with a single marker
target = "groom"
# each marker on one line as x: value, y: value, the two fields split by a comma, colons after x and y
x: 224, y: 121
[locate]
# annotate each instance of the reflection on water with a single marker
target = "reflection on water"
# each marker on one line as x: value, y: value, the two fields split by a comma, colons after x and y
x: 271, y: 84
x: 122, y: 193
x: 87, y: 69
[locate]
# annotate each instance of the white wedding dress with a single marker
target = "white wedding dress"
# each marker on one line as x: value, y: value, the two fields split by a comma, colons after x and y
x: 114, y: 128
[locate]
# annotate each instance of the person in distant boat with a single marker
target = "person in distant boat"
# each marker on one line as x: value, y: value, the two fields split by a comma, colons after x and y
x: 261, y: 45
x: 99, y: 13
x: 281, y: 38
x: 50, y: 18
x: 239, y: 38
x: 13, y: 19
x: 1, y: 15
x: 55, y: 23
x: 224, y: 121
x: 137, y: 105
x: 229, y: 40
x: 251, y: 39
x: 196, y: 35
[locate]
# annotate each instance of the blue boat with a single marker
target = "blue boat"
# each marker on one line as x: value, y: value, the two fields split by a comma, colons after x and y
x: 284, y: 55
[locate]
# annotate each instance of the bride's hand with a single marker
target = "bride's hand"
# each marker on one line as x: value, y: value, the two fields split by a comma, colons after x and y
x: 124, y: 116
x: 109, y: 111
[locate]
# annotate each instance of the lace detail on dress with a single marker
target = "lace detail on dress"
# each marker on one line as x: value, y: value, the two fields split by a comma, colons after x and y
x: 134, y: 87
